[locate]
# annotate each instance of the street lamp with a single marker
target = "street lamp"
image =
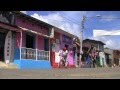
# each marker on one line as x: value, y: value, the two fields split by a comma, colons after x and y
x: 98, y: 15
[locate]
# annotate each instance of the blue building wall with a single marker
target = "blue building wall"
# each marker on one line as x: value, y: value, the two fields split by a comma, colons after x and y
x: 29, y: 63
x: 33, y: 64
x: 17, y: 54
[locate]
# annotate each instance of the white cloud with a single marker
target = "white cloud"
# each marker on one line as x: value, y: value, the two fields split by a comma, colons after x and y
x: 25, y: 12
x: 107, y: 18
x: 113, y: 44
x: 73, y: 28
x: 58, y: 21
x: 110, y: 43
x: 75, y: 15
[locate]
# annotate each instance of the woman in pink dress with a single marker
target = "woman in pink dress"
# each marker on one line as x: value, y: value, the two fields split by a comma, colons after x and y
x: 70, y: 58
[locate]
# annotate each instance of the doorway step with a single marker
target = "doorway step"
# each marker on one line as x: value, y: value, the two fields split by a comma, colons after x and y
x: 8, y: 66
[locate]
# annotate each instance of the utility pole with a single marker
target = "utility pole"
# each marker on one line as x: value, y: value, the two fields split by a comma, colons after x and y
x: 81, y: 39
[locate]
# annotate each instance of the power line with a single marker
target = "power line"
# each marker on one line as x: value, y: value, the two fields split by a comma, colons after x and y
x: 75, y: 22
x: 66, y: 18
x: 75, y: 19
x: 103, y: 18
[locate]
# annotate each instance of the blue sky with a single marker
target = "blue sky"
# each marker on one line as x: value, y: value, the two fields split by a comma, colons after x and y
x: 70, y: 21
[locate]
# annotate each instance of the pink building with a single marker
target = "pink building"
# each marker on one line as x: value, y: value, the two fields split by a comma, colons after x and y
x: 30, y: 43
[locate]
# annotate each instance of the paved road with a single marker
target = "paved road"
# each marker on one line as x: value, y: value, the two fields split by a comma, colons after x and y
x: 75, y: 73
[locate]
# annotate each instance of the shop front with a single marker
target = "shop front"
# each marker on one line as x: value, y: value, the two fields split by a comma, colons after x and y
x: 58, y: 43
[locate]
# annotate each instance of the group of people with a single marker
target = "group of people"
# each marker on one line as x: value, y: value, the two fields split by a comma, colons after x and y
x: 94, y: 58
x: 90, y: 58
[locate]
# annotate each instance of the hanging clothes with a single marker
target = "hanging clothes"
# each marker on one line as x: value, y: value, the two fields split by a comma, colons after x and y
x: 70, y: 58
x: 57, y: 53
x: 102, y: 59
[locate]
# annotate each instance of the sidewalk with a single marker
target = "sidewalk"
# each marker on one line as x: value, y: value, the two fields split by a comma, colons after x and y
x: 7, y: 66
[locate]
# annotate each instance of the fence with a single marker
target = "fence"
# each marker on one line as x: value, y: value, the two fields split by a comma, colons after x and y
x: 34, y: 54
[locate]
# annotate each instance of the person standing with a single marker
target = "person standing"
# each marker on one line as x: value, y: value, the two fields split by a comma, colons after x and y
x: 91, y: 53
x: 64, y: 54
x: 63, y: 57
x: 75, y: 51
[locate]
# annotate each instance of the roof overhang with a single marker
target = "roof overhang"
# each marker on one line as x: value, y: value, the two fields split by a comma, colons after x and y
x: 9, y: 27
x: 63, y: 32
x: 30, y: 18
x: 34, y: 32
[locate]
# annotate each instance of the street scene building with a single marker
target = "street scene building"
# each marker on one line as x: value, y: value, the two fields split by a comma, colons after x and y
x: 59, y: 45
x: 116, y: 56
x: 98, y: 44
x: 112, y: 57
x: 109, y: 56
x: 30, y: 43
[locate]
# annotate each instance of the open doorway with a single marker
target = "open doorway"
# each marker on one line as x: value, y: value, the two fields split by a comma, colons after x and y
x: 46, y: 44
x: 30, y: 41
x: 2, y: 43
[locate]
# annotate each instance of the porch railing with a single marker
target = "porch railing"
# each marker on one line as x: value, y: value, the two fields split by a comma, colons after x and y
x: 35, y: 54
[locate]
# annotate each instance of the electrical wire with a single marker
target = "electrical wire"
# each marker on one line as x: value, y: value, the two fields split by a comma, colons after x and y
x: 78, y: 23
x: 67, y: 18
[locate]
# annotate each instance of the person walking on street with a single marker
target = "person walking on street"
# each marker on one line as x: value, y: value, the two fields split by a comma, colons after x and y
x: 63, y: 57
x: 75, y: 51
x: 92, y: 53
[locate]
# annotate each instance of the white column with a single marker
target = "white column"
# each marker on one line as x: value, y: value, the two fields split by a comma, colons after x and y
x: 36, y: 53
x: 49, y: 49
x: 20, y: 44
x: 36, y: 46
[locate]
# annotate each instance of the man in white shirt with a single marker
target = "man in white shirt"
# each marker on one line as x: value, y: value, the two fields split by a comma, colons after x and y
x: 63, y: 55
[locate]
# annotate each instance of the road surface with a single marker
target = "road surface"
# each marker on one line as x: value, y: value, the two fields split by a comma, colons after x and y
x: 74, y: 73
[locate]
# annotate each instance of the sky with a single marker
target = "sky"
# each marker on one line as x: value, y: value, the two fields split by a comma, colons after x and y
x: 70, y: 21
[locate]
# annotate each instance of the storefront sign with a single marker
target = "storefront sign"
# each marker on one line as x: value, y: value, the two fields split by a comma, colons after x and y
x: 67, y: 39
x: 8, y: 47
